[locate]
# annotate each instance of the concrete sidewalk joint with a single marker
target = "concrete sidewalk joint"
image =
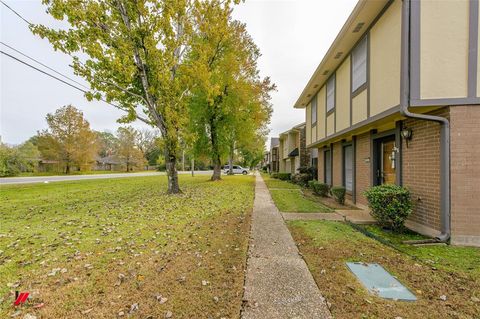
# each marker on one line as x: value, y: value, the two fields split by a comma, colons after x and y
x: 278, y: 283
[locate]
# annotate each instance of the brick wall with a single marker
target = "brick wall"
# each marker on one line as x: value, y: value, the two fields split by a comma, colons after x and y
x: 337, y: 164
x: 362, y: 168
x: 421, y: 170
x: 465, y: 174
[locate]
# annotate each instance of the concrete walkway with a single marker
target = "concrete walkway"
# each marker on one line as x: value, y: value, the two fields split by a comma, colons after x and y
x: 278, y: 283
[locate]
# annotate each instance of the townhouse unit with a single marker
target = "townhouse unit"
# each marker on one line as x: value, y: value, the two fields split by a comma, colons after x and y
x: 396, y: 100
x: 274, y: 159
x: 292, y: 149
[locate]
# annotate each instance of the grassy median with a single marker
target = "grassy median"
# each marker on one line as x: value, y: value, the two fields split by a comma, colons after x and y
x: 289, y: 197
x: 122, y: 247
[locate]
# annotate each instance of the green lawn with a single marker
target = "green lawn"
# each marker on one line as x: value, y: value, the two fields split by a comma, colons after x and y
x: 276, y: 183
x: 100, y: 248
x: 294, y: 201
x: 326, y: 246
x: 450, y: 258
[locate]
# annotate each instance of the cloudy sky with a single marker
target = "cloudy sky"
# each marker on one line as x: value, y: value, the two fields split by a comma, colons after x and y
x: 292, y: 35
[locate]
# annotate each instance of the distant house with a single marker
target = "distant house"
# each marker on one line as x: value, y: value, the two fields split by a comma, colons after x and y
x: 292, y: 150
x: 45, y: 165
x: 396, y: 100
x: 108, y: 163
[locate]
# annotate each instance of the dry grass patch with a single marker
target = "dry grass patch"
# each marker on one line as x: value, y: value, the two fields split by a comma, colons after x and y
x: 123, y: 248
x: 326, y: 246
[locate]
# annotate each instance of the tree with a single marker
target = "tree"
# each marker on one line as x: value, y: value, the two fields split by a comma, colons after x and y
x: 135, y: 56
x: 107, y: 143
x: 30, y: 156
x: 230, y: 102
x: 10, y: 161
x: 127, y: 150
x: 68, y: 139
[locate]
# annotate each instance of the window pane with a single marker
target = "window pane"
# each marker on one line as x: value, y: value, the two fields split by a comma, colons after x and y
x: 348, y: 167
x: 331, y: 93
x: 359, y: 65
x: 314, y: 109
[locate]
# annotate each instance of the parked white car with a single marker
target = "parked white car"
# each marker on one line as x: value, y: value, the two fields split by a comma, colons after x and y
x: 236, y: 169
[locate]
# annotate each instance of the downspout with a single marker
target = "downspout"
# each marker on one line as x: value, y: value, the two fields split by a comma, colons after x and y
x: 444, y: 125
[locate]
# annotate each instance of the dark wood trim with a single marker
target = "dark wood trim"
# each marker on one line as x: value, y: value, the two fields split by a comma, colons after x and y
x: 373, y: 160
x: 368, y: 76
x: 354, y: 168
x: 369, y: 120
x: 360, y: 89
x: 365, y: 33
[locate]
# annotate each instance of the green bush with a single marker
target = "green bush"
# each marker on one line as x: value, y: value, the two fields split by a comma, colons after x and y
x: 309, y: 170
x: 321, y: 189
x: 274, y: 175
x: 301, y: 179
x: 390, y: 205
x: 311, y: 184
x: 338, y: 193
x: 284, y: 176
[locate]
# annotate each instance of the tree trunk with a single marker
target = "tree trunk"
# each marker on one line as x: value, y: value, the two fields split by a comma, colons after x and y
x: 217, y: 168
x: 172, y: 174
x: 217, y: 163
x: 67, y: 169
x: 230, y: 161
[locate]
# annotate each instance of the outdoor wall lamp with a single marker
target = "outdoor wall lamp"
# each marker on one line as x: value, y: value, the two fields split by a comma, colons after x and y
x: 406, y: 134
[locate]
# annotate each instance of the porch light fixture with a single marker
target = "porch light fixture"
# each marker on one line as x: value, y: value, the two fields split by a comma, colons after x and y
x: 406, y: 134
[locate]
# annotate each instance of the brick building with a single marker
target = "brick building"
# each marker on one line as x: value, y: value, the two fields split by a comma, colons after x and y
x: 292, y: 149
x: 380, y: 110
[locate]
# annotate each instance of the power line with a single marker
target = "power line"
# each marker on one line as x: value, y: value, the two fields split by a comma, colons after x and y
x: 44, y: 65
x: 54, y: 77
x: 16, y: 13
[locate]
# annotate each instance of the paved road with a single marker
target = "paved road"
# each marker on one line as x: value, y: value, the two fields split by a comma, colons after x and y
x: 43, y: 179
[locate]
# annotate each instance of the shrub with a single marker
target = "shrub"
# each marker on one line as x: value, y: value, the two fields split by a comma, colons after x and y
x: 301, y: 179
x: 338, y: 193
x: 284, y: 176
x: 274, y: 175
x: 390, y: 205
x: 309, y: 170
x: 311, y: 184
x: 321, y: 189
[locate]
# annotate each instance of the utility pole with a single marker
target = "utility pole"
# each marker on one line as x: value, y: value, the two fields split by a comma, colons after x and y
x: 192, y: 166
x: 183, y: 160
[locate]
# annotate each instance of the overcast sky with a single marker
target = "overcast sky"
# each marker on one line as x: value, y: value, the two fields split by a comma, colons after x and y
x: 292, y: 35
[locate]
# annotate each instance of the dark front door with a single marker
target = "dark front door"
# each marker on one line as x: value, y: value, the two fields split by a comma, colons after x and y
x: 386, y: 154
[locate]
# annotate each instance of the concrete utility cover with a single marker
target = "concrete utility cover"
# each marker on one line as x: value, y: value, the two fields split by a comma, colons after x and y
x: 379, y: 282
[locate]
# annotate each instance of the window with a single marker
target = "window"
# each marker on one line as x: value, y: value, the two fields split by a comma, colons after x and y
x: 328, y: 167
x: 314, y: 110
x: 331, y: 94
x: 359, y: 65
x: 348, y: 167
